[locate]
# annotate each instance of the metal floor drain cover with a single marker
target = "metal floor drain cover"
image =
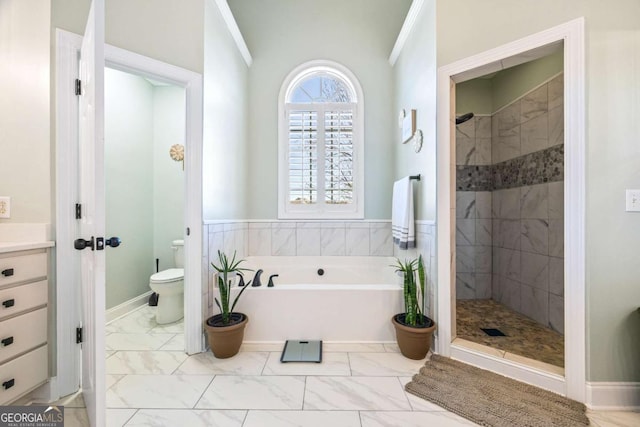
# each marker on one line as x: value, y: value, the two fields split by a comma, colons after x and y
x: 302, y: 351
x: 493, y: 332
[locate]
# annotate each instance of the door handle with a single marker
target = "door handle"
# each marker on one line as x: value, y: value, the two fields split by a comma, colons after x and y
x: 80, y: 244
x: 101, y: 242
x: 8, y: 272
x: 9, y: 303
x: 7, y: 341
x: 97, y: 244
x: 8, y: 384
x: 114, y: 242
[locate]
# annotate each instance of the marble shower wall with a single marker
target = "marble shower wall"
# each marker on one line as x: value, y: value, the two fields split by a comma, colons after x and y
x: 528, y: 252
x: 525, y: 208
x: 473, y: 209
x: 528, y: 205
x: 474, y: 231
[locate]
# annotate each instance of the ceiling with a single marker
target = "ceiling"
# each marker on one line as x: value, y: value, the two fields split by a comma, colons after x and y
x: 262, y: 21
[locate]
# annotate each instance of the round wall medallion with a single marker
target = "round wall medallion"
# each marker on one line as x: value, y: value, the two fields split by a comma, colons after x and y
x: 177, y: 152
x: 417, y: 141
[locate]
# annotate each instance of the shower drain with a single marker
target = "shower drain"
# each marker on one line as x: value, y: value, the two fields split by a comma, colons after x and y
x: 493, y: 332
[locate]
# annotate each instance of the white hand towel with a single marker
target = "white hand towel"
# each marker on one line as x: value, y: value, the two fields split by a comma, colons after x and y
x: 402, y: 221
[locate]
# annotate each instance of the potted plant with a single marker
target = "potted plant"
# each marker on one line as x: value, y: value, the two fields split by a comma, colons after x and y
x: 413, y: 329
x: 225, y: 331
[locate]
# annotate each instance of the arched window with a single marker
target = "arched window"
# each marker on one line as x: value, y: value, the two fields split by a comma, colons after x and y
x: 321, y: 153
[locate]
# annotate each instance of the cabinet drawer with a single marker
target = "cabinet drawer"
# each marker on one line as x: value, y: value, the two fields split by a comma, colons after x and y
x: 22, y: 268
x: 23, y: 374
x: 22, y: 333
x: 23, y: 297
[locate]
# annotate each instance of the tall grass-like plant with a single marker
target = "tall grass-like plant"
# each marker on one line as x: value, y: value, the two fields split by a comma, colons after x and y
x: 225, y: 282
x: 422, y: 277
x: 413, y: 290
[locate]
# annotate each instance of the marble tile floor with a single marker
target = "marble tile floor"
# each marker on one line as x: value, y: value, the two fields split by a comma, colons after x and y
x: 359, y: 385
x: 525, y: 337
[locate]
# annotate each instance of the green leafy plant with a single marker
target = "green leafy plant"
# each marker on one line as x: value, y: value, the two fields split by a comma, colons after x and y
x: 413, y: 290
x: 225, y: 282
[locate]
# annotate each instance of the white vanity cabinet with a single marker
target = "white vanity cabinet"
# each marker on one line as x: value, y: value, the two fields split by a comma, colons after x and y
x: 24, y: 356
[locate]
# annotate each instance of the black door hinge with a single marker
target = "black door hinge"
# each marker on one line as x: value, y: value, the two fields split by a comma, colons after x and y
x: 78, y: 335
x: 78, y: 211
x: 78, y: 87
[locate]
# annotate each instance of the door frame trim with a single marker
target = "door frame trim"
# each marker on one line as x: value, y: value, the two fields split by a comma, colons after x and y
x: 68, y: 303
x: 519, y: 51
x: 134, y: 63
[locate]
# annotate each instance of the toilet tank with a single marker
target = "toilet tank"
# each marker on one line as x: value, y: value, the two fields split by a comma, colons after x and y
x: 178, y: 253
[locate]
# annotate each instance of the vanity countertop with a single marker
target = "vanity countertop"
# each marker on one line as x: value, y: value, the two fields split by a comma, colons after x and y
x: 24, y: 246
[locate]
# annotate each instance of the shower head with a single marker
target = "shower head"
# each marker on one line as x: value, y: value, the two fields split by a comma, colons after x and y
x: 463, y: 118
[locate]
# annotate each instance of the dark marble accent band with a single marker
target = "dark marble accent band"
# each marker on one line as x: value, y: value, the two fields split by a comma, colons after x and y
x: 534, y: 168
x: 474, y: 178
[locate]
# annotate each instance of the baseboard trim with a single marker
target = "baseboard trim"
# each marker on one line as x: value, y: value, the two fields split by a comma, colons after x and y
x: 508, y: 368
x: 42, y: 393
x: 47, y: 392
x: 613, y: 396
x: 127, y: 307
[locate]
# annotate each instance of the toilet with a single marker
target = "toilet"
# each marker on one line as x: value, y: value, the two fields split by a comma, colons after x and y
x: 169, y: 285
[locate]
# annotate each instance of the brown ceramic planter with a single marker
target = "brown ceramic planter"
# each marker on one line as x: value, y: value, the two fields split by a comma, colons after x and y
x: 414, y: 342
x: 225, y: 341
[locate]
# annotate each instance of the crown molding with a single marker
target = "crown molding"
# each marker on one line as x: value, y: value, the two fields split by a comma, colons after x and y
x: 407, y: 27
x: 232, y: 25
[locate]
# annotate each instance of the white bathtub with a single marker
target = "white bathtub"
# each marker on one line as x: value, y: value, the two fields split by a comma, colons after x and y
x: 353, y: 300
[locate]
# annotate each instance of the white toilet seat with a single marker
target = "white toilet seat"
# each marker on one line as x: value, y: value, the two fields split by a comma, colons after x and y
x: 167, y: 276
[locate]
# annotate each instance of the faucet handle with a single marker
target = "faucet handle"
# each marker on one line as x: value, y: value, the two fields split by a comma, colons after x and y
x: 270, y: 284
x: 241, y: 283
x: 256, y: 279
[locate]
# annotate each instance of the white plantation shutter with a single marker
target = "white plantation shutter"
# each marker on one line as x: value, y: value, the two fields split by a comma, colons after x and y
x: 338, y: 155
x: 303, y: 157
x: 321, y: 148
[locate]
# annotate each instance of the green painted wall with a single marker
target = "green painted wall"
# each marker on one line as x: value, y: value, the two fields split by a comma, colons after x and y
x: 190, y: 34
x: 415, y: 88
x: 168, y: 176
x: 129, y: 184
x: 144, y: 186
x: 225, y: 157
x: 487, y: 95
x: 284, y: 34
x: 167, y: 30
x: 612, y: 129
x: 512, y: 83
x: 474, y: 96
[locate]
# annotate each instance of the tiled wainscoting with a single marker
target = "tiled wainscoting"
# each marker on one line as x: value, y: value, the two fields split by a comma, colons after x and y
x: 510, y: 206
x: 288, y: 238
x: 310, y: 238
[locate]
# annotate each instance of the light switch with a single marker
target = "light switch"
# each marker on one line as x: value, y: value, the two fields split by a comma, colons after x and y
x: 633, y: 200
x: 5, y: 207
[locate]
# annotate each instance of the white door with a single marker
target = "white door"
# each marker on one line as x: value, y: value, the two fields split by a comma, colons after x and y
x: 91, y: 190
